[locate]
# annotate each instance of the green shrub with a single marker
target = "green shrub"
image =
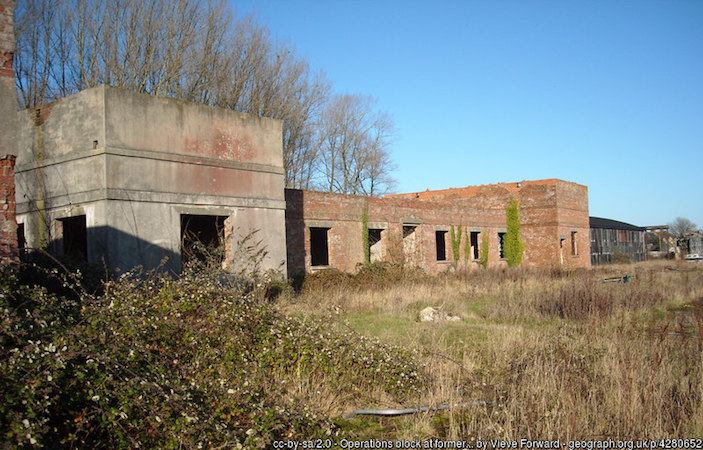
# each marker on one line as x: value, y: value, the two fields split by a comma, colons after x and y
x: 167, y: 362
x: 620, y: 256
x: 467, y: 247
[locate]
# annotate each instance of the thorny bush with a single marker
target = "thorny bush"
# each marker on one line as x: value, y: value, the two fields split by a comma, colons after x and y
x: 157, y: 361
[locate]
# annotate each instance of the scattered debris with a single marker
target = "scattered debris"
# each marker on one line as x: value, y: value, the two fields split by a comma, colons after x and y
x: 431, y: 314
x: 623, y: 280
x: 402, y: 412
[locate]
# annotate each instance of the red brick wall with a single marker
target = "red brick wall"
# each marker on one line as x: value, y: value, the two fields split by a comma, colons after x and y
x: 544, y: 218
x: 8, y: 226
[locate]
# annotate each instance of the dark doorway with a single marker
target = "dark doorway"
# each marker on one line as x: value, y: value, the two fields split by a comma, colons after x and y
x: 441, y: 237
x: 21, y: 240
x: 319, y: 249
x: 74, y: 237
x: 201, y: 236
x: 474, y: 245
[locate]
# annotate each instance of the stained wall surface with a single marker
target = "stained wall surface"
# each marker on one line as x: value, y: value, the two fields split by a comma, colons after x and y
x: 8, y: 93
x: 9, y: 252
x: 133, y: 164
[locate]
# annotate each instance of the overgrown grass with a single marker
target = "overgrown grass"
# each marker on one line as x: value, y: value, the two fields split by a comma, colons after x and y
x: 216, y: 361
x: 561, y: 354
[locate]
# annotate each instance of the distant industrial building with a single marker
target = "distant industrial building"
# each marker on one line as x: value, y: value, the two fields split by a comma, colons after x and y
x: 613, y: 241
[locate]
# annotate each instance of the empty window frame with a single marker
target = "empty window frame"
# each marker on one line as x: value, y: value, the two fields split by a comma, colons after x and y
x: 409, y: 242
x: 574, y: 244
x: 474, y: 244
x: 561, y: 249
x: 375, y: 247
x: 441, y: 244
x: 201, y: 236
x: 501, y: 245
x: 319, y: 247
x: 74, y: 237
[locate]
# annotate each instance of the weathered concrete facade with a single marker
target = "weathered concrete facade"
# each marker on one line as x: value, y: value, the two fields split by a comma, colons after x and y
x: 326, y: 230
x: 8, y: 91
x: 8, y: 107
x: 112, y: 174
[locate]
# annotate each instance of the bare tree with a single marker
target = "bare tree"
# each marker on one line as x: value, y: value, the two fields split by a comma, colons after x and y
x: 353, y: 143
x: 681, y: 226
x: 196, y: 50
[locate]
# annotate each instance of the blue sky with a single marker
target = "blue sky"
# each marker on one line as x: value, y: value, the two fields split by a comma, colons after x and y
x: 608, y: 94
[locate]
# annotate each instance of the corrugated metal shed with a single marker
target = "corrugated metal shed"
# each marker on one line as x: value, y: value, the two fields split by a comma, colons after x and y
x: 615, y: 241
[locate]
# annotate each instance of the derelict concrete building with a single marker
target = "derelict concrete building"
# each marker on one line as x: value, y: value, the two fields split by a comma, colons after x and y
x: 129, y: 178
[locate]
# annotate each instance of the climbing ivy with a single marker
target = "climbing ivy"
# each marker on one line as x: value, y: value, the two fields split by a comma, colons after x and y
x: 467, y: 246
x: 513, y: 247
x: 483, y: 256
x: 365, y: 232
x: 456, y: 242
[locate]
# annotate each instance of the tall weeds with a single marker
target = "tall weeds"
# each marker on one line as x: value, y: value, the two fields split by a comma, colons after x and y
x: 560, y: 354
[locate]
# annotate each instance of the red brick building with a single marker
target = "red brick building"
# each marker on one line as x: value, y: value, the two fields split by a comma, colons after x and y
x: 327, y: 230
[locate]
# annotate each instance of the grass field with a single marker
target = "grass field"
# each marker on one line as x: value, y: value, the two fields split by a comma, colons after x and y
x: 215, y: 360
x: 558, y: 354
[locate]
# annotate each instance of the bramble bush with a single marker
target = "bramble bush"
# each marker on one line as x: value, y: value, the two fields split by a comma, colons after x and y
x: 156, y: 361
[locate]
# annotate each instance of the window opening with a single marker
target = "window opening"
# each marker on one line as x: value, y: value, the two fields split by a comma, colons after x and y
x: 375, y: 249
x: 441, y: 238
x: 201, y: 236
x: 409, y: 242
x: 319, y: 248
x: 74, y: 237
x: 561, y: 250
x: 474, y: 244
x: 574, y: 248
x: 501, y: 245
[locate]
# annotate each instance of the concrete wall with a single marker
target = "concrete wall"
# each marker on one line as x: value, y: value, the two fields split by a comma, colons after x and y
x: 8, y: 93
x: 8, y: 106
x: 132, y: 164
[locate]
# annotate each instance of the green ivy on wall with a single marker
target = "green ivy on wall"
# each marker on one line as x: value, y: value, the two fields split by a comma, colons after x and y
x: 513, y: 246
x: 365, y: 232
x: 456, y: 242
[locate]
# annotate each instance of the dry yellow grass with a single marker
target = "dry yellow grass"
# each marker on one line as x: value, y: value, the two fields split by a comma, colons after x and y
x: 559, y: 354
